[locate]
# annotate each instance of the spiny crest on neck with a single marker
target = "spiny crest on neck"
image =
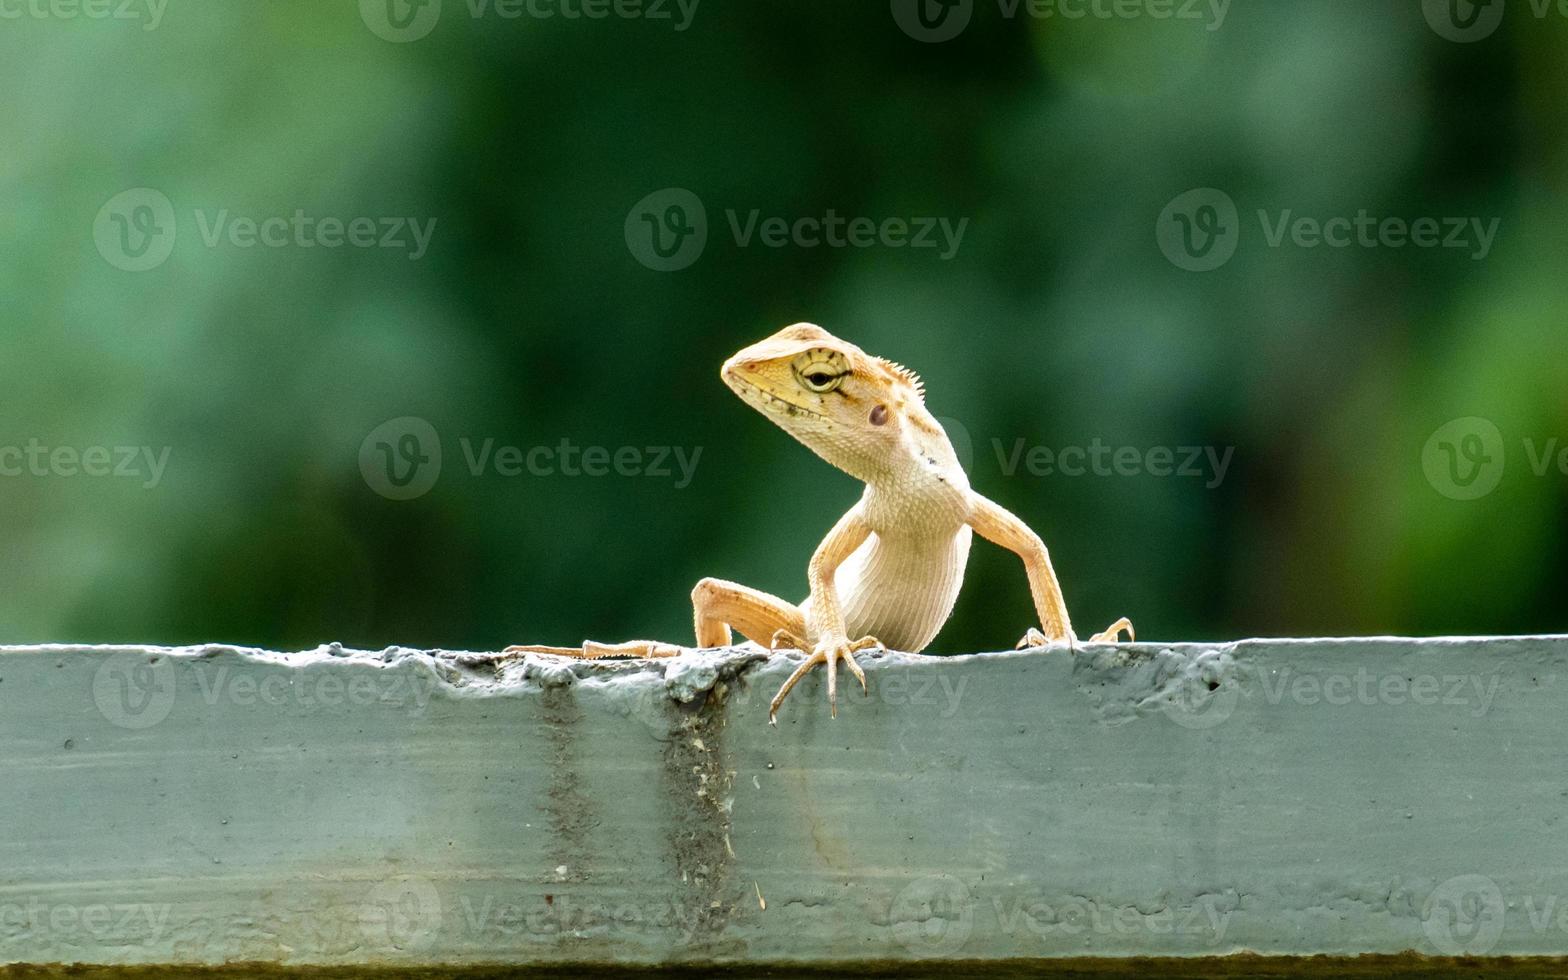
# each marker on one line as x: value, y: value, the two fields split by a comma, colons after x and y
x: 907, y: 376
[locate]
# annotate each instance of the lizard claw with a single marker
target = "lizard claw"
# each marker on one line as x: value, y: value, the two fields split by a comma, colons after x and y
x: 785, y: 640
x: 828, y: 651
x: 1031, y: 639
x: 1035, y: 638
x: 1113, y: 632
x: 864, y: 643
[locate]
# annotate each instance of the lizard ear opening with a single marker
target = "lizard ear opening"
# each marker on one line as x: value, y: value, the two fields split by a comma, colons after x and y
x: 879, y: 415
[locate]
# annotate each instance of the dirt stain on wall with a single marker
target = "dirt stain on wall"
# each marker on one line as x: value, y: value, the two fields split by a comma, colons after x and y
x: 698, y: 787
x: 570, y: 811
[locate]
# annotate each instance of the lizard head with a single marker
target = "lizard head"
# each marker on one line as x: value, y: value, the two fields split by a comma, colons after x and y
x: 863, y: 414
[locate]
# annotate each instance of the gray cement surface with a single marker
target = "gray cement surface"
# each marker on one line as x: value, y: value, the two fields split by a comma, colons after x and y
x: 212, y: 804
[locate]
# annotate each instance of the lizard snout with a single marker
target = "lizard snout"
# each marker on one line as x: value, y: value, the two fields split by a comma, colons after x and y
x: 734, y: 368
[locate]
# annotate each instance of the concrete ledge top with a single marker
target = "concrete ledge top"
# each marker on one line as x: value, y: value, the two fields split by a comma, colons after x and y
x: 213, y: 804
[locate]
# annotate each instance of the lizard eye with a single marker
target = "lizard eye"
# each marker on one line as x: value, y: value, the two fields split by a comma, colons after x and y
x: 821, y: 370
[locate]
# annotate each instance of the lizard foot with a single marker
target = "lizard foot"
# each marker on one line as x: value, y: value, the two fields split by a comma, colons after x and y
x: 828, y: 651
x: 1035, y: 638
x: 636, y: 649
x: 1113, y: 632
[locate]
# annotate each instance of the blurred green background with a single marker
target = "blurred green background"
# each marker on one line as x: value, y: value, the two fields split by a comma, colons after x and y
x: 1059, y: 321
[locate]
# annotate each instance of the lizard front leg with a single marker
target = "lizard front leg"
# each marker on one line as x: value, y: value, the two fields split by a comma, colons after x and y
x: 827, y: 613
x: 998, y: 525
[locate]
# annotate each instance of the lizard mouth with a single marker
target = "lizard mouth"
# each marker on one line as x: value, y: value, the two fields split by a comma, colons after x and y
x: 767, y: 400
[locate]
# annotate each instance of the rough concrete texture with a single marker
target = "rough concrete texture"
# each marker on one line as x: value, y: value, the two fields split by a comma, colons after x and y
x: 212, y: 804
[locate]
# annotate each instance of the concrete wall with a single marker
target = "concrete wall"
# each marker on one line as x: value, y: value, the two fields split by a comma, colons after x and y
x: 1329, y: 796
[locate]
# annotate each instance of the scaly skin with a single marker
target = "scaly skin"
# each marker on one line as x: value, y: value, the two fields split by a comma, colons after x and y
x: 889, y: 571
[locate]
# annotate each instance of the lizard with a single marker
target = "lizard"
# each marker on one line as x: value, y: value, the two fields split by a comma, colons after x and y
x: 889, y: 571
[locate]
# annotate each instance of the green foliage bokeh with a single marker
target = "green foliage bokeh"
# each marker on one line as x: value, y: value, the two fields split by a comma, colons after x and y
x: 1058, y: 322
